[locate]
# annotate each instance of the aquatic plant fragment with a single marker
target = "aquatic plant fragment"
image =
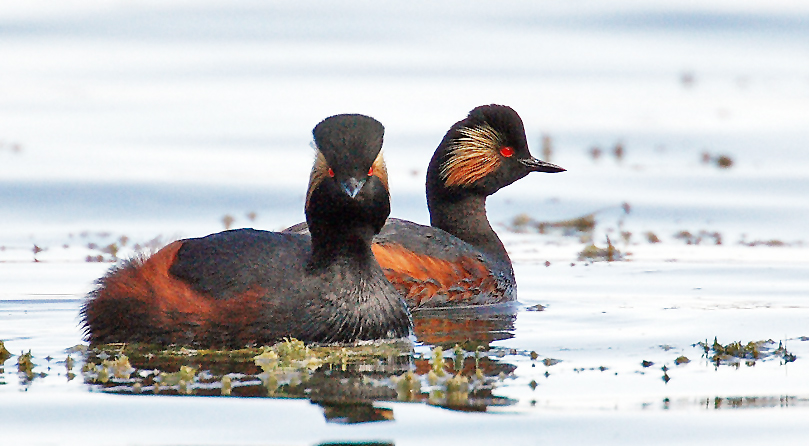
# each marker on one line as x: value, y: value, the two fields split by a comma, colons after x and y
x: 608, y: 254
x: 4, y: 354
x: 734, y: 352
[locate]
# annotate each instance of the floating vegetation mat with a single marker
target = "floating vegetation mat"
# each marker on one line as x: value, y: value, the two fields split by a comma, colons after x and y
x: 736, y: 352
x: 332, y: 376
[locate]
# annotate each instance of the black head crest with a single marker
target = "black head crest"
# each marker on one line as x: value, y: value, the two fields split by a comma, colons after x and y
x: 350, y: 141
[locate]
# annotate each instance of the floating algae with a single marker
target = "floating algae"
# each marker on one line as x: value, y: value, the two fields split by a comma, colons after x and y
x: 607, y: 254
x: 581, y: 227
x: 338, y: 377
x: 4, y: 354
x: 734, y: 352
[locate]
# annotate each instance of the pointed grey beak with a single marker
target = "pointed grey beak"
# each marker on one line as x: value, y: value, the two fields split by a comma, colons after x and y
x: 352, y: 186
x: 536, y: 165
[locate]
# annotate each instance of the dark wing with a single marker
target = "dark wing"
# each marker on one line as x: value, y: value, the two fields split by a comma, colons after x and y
x: 231, y: 263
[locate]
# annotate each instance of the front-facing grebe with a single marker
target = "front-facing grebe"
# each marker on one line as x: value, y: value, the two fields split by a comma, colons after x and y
x: 243, y: 287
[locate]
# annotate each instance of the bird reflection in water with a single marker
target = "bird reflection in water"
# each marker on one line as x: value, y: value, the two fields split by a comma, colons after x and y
x: 456, y: 368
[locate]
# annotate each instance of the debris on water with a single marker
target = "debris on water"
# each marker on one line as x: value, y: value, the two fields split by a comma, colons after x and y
x: 681, y: 360
x: 734, y: 352
x: 69, y: 363
x: 724, y: 161
x: 4, y: 354
x: 754, y: 402
x: 457, y: 391
x: 437, y: 361
x: 772, y: 243
x: 408, y: 386
x: 329, y: 374
x: 102, y: 374
x: 576, y: 227
x: 584, y: 224
x: 696, y: 239
x: 459, y: 358
x: 227, y: 221
x: 111, y: 249
x: 25, y: 365
x: 618, y: 151
x: 608, y: 254
x: 721, y: 161
x: 150, y: 245
x: 120, y: 367
x: 36, y: 250
x: 78, y: 348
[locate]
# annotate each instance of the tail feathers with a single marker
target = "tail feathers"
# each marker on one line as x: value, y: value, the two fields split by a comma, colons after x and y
x: 140, y: 302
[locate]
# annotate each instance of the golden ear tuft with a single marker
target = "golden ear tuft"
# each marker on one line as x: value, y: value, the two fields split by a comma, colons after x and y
x: 380, y: 170
x: 472, y: 156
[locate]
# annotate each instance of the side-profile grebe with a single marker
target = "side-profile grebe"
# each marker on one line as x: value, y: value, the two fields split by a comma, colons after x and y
x: 460, y: 260
x: 245, y: 286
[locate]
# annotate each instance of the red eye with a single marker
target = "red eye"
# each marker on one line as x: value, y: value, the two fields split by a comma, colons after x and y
x: 371, y: 171
x: 506, y: 151
x: 331, y: 172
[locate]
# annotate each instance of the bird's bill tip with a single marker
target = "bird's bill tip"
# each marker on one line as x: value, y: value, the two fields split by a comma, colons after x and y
x: 537, y: 165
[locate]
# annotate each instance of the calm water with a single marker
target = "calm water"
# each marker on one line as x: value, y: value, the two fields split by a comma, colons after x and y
x: 135, y: 123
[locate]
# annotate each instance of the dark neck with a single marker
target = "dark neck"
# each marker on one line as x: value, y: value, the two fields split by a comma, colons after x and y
x: 342, y: 229
x: 338, y: 244
x: 464, y: 216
